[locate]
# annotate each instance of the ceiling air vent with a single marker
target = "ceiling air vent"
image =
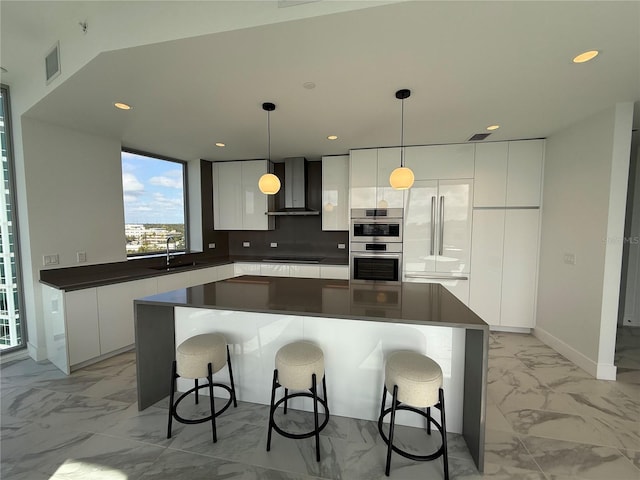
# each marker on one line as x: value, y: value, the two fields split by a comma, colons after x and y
x: 52, y: 62
x: 478, y: 136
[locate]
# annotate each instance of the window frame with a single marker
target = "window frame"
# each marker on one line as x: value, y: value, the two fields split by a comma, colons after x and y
x: 17, y: 258
x: 185, y: 201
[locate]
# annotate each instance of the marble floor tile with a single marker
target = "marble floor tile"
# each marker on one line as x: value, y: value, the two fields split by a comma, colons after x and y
x: 31, y: 403
x: 148, y: 426
x: 258, y: 473
x: 561, y: 426
x: 543, y: 399
x: 120, y: 389
x: 633, y: 455
x: 103, y: 458
x: 175, y: 464
x: 86, y: 413
x: 496, y: 420
x: 628, y: 375
x: 625, y: 434
x: 614, y: 406
x: 506, y: 449
x: 558, y: 457
x: 495, y: 472
x: 25, y: 372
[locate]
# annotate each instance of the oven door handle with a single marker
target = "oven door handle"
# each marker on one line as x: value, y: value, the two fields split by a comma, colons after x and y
x: 434, y: 277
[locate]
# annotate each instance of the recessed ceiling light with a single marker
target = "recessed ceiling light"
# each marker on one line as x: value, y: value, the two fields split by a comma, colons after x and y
x: 309, y: 85
x: 332, y: 137
x: 493, y: 127
x: 219, y: 144
x: 122, y: 106
x: 585, y: 56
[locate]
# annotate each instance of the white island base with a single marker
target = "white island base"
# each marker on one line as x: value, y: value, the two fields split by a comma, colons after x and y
x: 354, y: 355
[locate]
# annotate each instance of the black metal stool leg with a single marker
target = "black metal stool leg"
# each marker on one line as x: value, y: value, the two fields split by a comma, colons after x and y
x: 286, y: 399
x: 196, y: 392
x: 445, y: 456
x: 272, y: 407
x: 391, y: 428
x: 384, y: 399
x: 171, y: 393
x: 428, y: 420
x: 233, y: 385
x: 211, y: 403
x: 314, y: 391
x: 324, y: 388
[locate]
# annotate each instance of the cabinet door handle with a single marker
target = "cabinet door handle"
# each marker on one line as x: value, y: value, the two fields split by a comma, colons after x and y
x: 433, y: 224
x: 441, y: 247
x: 435, y: 277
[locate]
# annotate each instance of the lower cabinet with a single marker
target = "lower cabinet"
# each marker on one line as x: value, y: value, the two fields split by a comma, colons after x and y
x: 115, y: 312
x: 81, y: 314
x: 504, y: 259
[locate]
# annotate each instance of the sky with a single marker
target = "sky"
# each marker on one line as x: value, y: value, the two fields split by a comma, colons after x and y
x: 153, y: 190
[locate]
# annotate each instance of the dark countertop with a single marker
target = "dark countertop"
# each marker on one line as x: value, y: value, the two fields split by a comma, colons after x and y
x: 89, y: 276
x: 421, y: 303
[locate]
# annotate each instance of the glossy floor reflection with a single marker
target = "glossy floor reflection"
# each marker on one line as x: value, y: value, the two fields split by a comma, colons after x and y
x: 546, y: 420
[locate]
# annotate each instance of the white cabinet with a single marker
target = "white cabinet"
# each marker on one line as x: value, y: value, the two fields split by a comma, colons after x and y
x: 203, y: 275
x: 246, y: 269
x: 508, y: 174
x: 304, y: 271
x: 238, y: 204
x: 274, y: 269
x: 369, y: 172
x: 82, y: 330
x: 504, y: 264
x: 336, y: 272
x: 226, y: 271
x: 335, y: 192
x: 437, y: 227
x: 115, y: 312
x: 166, y: 283
x: 440, y: 161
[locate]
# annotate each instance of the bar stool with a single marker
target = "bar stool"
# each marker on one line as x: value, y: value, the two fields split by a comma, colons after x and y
x: 200, y: 357
x: 416, y: 383
x: 298, y: 366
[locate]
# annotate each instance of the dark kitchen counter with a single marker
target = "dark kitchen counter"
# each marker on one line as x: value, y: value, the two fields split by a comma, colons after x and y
x: 420, y: 303
x: 89, y: 276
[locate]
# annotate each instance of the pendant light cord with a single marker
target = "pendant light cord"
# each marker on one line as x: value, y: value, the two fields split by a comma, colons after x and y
x: 402, y: 135
x: 269, y: 135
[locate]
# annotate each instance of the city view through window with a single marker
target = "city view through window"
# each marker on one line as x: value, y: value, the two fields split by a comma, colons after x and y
x: 154, y: 203
x: 11, y: 321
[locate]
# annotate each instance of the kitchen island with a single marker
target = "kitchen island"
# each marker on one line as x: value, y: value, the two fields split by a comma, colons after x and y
x: 356, y: 325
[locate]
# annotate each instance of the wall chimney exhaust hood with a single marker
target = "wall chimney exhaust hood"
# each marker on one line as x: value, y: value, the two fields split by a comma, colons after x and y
x: 295, y: 188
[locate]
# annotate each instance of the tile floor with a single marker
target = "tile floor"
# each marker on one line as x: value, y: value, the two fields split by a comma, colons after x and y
x: 546, y: 420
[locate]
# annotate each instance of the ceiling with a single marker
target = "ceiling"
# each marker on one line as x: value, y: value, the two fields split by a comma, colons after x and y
x: 468, y: 65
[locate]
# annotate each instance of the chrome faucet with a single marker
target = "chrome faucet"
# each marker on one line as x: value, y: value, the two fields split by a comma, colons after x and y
x: 169, y: 239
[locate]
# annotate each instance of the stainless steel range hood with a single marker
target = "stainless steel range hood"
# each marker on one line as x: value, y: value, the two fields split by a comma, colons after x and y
x: 295, y: 188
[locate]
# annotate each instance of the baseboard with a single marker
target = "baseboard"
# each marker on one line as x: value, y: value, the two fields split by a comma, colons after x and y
x: 606, y: 372
x: 38, y: 354
x: 498, y: 328
x: 568, y: 351
x: 91, y: 361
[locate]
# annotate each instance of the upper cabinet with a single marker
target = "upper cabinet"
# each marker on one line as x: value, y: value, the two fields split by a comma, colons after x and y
x: 238, y: 204
x: 369, y: 172
x: 335, y: 192
x: 440, y: 162
x: 508, y: 174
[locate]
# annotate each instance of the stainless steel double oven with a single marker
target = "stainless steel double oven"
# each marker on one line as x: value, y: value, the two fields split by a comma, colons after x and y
x: 376, y: 245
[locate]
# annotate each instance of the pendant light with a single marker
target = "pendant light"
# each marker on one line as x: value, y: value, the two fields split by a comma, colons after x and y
x: 269, y: 184
x: 402, y: 178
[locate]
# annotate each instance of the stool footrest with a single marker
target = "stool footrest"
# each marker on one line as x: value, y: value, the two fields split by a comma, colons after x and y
x: 309, y: 434
x: 190, y: 421
x: 411, y: 456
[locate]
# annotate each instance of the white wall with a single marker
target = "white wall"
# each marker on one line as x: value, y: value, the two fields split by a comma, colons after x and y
x: 73, y: 187
x: 585, y: 183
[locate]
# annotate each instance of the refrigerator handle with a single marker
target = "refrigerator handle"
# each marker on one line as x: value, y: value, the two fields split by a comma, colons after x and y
x: 440, y: 246
x: 433, y: 224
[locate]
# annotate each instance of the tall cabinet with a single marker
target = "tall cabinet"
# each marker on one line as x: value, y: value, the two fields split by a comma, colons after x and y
x: 437, y: 216
x: 505, y: 240
x: 335, y: 192
x: 369, y: 172
x: 238, y: 203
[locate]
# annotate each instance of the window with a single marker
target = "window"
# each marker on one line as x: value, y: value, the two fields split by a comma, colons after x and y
x: 154, y: 190
x: 12, y: 335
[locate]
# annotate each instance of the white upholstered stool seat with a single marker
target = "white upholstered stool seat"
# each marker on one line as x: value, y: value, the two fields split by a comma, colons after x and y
x: 415, y: 382
x: 194, y: 354
x: 297, y: 362
x: 200, y: 357
x: 299, y: 366
x: 418, y: 378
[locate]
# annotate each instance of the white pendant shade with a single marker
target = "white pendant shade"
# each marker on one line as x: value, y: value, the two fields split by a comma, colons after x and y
x: 269, y: 184
x: 401, y: 178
